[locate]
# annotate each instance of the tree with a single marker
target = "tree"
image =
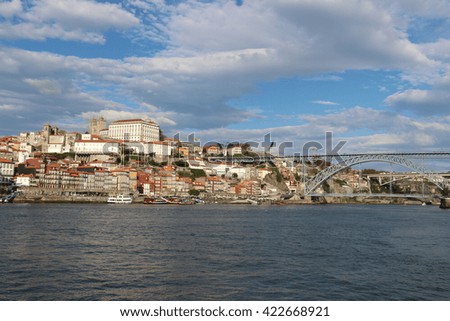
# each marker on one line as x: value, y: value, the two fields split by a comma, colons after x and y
x: 181, y: 163
x: 277, y: 173
x: 196, y: 173
x: 194, y: 192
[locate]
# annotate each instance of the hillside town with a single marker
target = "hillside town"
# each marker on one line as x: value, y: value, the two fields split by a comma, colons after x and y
x: 132, y: 157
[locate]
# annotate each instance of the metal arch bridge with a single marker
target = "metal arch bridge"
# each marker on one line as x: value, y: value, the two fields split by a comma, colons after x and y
x: 354, y: 159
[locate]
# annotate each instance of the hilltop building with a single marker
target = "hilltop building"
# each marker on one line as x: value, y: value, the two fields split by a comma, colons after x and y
x: 137, y: 130
x: 97, y: 125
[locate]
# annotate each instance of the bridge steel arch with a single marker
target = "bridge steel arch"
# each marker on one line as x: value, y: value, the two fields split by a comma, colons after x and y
x: 351, y: 160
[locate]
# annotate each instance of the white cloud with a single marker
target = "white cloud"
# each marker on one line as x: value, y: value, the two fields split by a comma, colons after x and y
x: 434, y: 101
x: 305, y: 36
x: 439, y: 50
x: 44, y: 86
x: 42, y: 32
x: 216, y: 51
x: 325, y: 102
x: 429, y: 8
x: 377, y: 131
x: 80, y: 20
x: 81, y: 14
x: 8, y: 107
x: 146, y: 112
x: 9, y: 9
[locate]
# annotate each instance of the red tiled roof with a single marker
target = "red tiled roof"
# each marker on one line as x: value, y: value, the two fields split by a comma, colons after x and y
x: 132, y: 121
x: 127, y: 120
x: 96, y: 141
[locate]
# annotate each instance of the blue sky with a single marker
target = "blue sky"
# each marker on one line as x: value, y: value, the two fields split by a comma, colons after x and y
x: 375, y: 73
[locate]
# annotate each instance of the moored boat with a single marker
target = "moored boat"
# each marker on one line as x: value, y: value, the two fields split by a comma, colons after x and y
x: 186, y: 202
x: 8, y: 198
x: 119, y: 199
x: 155, y: 200
x: 8, y: 190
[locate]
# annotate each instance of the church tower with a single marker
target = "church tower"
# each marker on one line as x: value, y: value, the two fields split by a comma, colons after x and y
x: 96, y: 125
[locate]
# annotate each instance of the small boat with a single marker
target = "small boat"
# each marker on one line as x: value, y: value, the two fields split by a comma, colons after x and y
x: 8, y: 190
x: 199, y: 201
x: 155, y: 200
x: 186, y: 202
x: 120, y: 199
x: 8, y: 198
x: 172, y: 200
x: 244, y: 201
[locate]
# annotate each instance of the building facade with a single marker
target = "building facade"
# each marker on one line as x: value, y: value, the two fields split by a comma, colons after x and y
x: 137, y: 130
x: 6, y: 167
x: 96, y: 125
x: 96, y: 147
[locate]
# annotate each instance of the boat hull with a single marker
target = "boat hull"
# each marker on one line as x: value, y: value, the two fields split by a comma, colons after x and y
x: 155, y: 201
x: 120, y: 199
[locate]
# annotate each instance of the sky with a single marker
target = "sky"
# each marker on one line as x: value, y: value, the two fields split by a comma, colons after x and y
x: 374, y: 73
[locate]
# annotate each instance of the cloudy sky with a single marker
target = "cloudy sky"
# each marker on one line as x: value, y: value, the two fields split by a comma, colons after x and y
x: 375, y: 73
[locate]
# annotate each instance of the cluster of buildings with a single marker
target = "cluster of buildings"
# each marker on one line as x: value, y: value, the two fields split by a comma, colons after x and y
x: 126, y: 156
x: 133, y: 157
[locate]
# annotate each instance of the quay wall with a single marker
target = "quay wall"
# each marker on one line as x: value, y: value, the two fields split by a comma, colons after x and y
x: 445, y: 203
x: 41, y: 195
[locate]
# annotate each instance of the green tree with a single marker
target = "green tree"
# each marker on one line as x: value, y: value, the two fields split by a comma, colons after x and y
x: 194, y: 192
x: 181, y: 163
x: 196, y: 173
x: 277, y: 173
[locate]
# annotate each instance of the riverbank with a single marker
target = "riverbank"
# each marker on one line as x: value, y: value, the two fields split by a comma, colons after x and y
x: 233, y: 201
x: 445, y: 203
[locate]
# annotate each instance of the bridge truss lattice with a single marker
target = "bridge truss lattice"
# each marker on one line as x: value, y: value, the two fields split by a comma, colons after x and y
x: 346, y: 161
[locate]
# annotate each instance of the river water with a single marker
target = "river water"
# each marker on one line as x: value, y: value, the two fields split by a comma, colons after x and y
x: 219, y: 252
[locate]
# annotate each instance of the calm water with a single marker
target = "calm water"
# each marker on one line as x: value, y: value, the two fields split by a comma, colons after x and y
x: 138, y: 252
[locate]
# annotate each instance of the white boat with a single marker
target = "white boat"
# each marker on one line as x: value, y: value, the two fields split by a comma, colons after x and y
x: 120, y: 199
x: 8, y: 198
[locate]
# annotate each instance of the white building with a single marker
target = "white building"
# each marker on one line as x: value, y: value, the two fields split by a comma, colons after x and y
x: 6, y: 167
x: 24, y: 180
x: 221, y: 169
x: 22, y: 156
x: 241, y: 172
x: 104, y: 133
x: 86, y: 137
x: 160, y: 149
x: 24, y: 152
x: 55, y: 148
x: 63, y: 143
x: 235, y: 150
x: 137, y: 130
x: 96, y: 147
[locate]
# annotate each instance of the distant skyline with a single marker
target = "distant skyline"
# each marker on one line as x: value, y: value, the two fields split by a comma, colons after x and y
x: 375, y: 73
